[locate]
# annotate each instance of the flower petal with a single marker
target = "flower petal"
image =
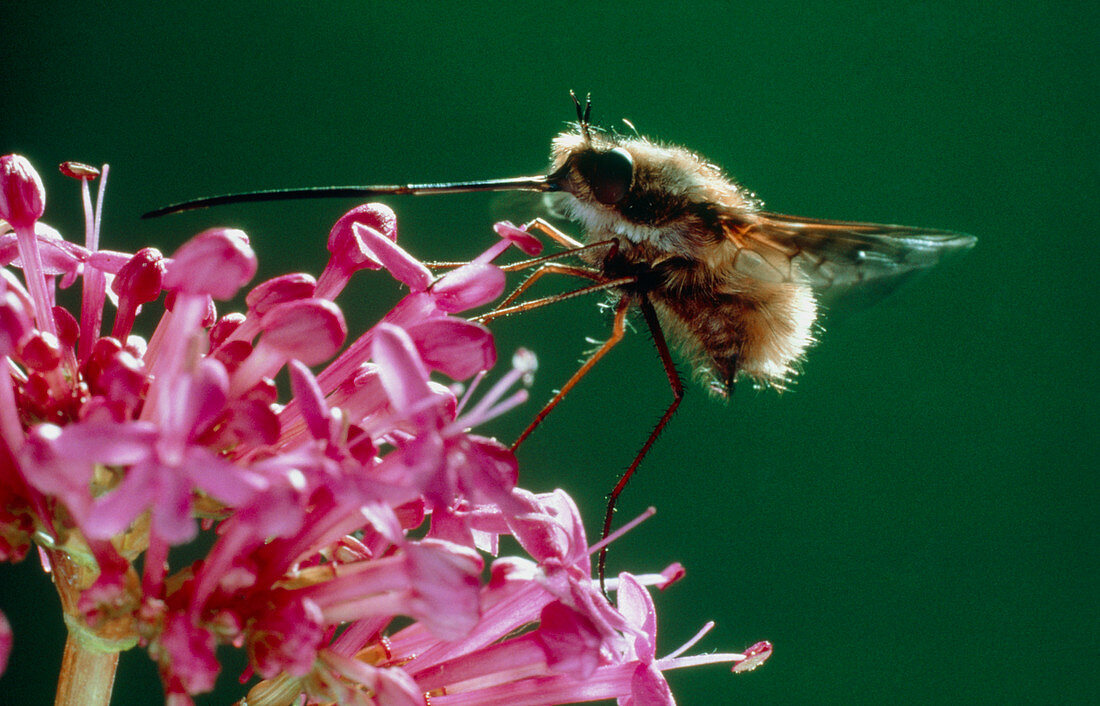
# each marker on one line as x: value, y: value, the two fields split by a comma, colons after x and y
x: 400, y: 368
x: 521, y: 238
x: 217, y: 262
x: 394, y: 258
x: 570, y: 641
x: 469, y: 286
x: 455, y: 347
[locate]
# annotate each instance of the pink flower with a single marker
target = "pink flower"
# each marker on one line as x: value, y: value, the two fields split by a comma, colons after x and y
x: 190, y: 652
x: 138, y: 282
x: 5, y: 642
x: 22, y: 202
x: 349, y: 251
x: 22, y: 196
x: 353, y: 509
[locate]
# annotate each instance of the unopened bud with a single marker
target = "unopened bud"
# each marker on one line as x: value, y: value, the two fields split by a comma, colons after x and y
x: 22, y: 196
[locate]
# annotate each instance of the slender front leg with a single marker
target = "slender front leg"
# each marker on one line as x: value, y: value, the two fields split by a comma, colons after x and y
x: 552, y: 299
x: 677, y: 386
x: 618, y: 328
x: 550, y: 268
x: 612, y: 245
x: 555, y: 233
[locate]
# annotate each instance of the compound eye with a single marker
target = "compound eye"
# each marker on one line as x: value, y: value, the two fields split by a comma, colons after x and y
x: 608, y: 174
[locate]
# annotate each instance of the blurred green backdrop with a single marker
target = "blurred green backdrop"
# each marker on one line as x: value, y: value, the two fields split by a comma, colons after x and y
x: 915, y: 521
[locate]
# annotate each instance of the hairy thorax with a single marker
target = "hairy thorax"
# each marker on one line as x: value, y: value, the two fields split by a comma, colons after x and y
x: 672, y: 233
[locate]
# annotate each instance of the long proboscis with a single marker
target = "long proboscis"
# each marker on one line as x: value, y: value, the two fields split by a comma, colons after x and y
x: 530, y: 183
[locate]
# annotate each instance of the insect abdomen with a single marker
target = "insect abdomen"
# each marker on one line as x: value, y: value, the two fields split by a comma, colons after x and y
x: 762, y: 330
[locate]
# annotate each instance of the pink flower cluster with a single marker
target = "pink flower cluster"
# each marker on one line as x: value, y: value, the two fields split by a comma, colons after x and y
x: 361, y: 498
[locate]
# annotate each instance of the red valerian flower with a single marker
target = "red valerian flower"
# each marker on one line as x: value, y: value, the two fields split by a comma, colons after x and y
x: 353, y: 516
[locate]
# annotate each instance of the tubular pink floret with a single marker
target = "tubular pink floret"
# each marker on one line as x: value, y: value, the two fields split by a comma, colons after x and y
x: 309, y: 330
x: 341, y: 239
x: 349, y: 253
x: 279, y: 290
x: 139, y: 281
x: 455, y: 347
x: 342, y: 503
x: 6, y: 640
x: 40, y: 352
x: 468, y: 287
x: 22, y: 196
x: 15, y: 323
x: 216, y: 262
x: 394, y: 258
x: 22, y: 202
x: 403, y: 374
x: 526, y: 242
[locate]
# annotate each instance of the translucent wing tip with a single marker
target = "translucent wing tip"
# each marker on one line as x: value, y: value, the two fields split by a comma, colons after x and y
x: 964, y: 241
x: 929, y: 247
x: 951, y: 241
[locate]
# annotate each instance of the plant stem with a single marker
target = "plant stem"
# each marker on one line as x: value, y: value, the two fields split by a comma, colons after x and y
x: 87, y: 676
x: 91, y: 654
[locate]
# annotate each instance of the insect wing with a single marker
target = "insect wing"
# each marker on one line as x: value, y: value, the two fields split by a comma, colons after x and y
x: 836, y: 254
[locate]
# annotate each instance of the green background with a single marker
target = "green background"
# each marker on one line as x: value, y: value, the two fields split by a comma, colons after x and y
x: 915, y: 521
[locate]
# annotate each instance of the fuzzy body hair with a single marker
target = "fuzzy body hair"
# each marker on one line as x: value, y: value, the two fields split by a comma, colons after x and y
x: 674, y: 233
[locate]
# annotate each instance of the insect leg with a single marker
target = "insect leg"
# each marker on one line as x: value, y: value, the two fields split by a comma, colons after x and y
x: 555, y: 233
x: 550, y: 268
x: 618, y: 328
x: 677, y: 386
x: 611, y: 244
x: 552, y: 299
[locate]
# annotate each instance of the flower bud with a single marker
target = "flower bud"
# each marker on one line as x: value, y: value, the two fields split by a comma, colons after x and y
x: 22, y: 196
x: 141, y: 278
x: 216, y: 262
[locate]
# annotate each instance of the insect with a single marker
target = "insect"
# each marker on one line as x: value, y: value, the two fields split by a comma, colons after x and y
x: 737, y: 288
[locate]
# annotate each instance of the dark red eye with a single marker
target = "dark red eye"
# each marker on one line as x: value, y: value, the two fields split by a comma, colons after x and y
x: 608, y: 174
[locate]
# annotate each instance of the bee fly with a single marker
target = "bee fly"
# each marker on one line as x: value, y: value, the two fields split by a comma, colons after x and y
x: 736, y: 287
